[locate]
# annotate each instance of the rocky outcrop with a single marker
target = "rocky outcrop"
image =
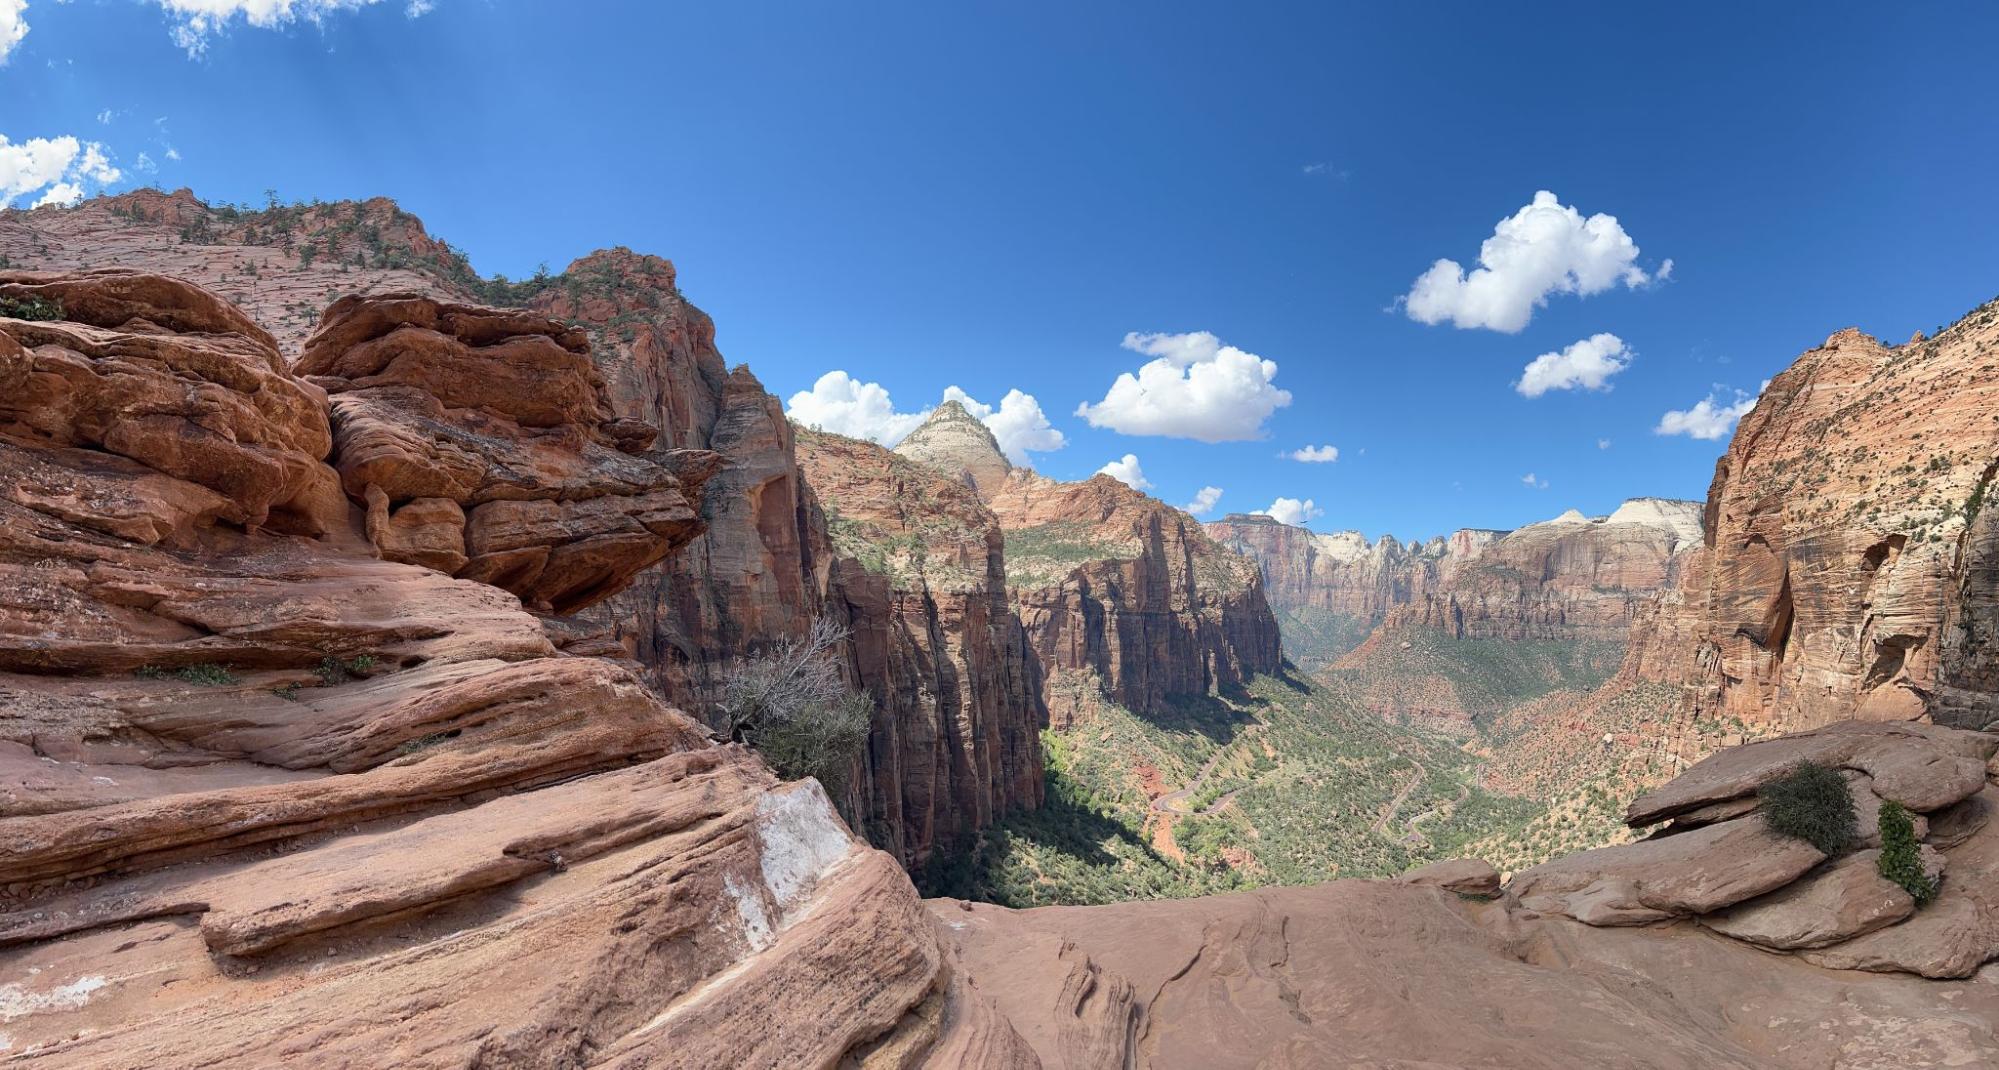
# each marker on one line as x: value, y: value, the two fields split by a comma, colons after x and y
x: 1569, y: 578
x: 1849, y: 563
x: 1125, y: 596
x: 483, y: 445
x: 544, y: 445
x: 1657, y: 954
x: 267, y: 795
x: 920, y: 579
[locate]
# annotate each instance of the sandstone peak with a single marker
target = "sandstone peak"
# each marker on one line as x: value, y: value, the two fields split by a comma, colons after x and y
x: 956, y: 443
x: 1849, y: 336
x: 1681, y: 518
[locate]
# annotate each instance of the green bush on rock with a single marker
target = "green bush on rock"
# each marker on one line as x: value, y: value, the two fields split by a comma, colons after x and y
x: 1811, y: 803
x: 1901, y: 859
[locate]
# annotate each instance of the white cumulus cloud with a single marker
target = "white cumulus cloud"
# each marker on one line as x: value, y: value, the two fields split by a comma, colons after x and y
x: 1711, y: 418
x: 1585, y: 365
x: 195, y: 21
x: 1544, y: 248
x: 13, y: 26
x: 1204, y: 501
x: 1291, y: 511
x: 1195, y: 387
x: 1530, y: 479
x: 1315, y: 454
x: 1018, y: 423
x: 846, y: 406
x: 59, y: 166
x: 1603, y: 443
x: 1126, y: 471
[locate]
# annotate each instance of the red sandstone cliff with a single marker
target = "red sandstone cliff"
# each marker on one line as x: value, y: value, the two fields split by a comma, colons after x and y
x: 1851, y: 553
x: 1120, y: 593
x: 274, y: 786
x: 1569, y: 578
x: 920, y: 578
x: 761, y: 568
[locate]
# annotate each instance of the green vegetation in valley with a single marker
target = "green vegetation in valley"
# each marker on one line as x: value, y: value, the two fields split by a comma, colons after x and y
x: 1315, y: 638
x: 1297, y: 784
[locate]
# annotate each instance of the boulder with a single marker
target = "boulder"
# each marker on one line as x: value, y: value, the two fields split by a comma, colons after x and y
x: 1954, y: 935
x: 1694, y: 872
x: 1472, y: 877
x: 1843, y: 900
x: 1923, y: 767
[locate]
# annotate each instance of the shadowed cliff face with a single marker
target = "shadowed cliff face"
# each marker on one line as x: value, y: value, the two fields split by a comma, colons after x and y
x: 920, y: 576
x: 1849, y: 569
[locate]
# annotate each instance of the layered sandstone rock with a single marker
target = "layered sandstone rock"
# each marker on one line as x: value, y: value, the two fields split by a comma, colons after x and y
x: 1568, y: 578
x: 1573, y: 577
x: 1122, y: 595
x: 483, y: 444
x: 1670, y: 966
x: 759, y: 571
x: 954, y: 442
x: 268, y: 797
x: 1851, y: 550
x: 920, y: 578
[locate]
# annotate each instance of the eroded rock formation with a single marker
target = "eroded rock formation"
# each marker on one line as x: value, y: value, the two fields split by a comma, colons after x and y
x: 1851, y: 554
x: 758, y: 572
x: 920, y: 577
x: 266, y: 796
x: 483, y: 444
x: 1573, y: 577
x: 1121, y: 594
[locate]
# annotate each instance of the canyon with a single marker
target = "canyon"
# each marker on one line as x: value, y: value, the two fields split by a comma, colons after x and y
x: 358, y: 617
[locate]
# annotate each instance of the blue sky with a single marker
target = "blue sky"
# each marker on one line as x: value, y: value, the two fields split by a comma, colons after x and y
x: 995, y: 198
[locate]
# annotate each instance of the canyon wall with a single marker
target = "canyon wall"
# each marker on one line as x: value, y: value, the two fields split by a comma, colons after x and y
x: 1121, y: 595
x: 1851, y: 564
x: 919, y: 574
x: 275, y: 786
x: 761, y: 566
x: 1573, y: 577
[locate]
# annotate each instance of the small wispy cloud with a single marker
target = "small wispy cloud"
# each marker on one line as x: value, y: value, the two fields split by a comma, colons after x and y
x: 1204, y: 501
x: 1534, y: 481
x: 1313, y: 454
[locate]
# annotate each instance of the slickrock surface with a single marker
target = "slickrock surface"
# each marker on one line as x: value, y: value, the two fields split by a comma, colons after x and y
x: 267, y: 798
x: 1427, y: 971
x: 1851, y: 551
x: 921, y: 579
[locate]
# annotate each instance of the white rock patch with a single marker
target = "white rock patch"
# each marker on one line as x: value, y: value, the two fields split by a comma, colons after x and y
x: 802, y: 838
x: 18, y: 1002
